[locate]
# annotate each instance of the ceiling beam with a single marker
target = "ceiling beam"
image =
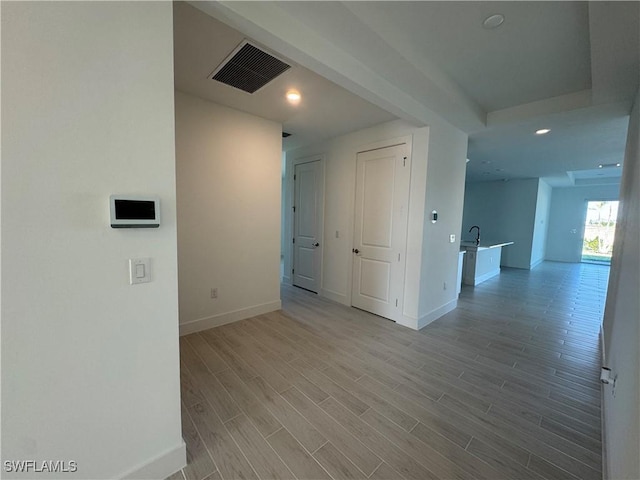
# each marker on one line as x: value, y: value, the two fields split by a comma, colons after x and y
x: 271, y: 25
x: 541, y: 108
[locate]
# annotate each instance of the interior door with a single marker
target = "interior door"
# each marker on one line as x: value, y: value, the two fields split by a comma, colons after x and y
x: 380, y: 233
x: 307, y: 220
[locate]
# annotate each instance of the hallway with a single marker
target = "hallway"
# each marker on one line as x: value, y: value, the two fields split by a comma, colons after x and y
x: 505, y: 386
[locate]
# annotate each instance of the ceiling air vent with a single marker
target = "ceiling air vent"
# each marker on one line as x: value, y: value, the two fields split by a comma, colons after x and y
x: 248, y: 68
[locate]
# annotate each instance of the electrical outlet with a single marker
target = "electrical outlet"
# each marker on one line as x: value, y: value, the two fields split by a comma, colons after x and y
x: 214, y: 293
x: 452, y: 238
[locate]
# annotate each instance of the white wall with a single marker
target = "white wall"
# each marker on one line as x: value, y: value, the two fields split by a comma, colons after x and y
x: 340, y: 178
x: 439, y: 147
x: 505, y: 211
x: 541, y: 223
x: 90, y: 368
x: 567, y: 216
x: 621, y: 411
x: 228, y: 168
x: 445, y: 194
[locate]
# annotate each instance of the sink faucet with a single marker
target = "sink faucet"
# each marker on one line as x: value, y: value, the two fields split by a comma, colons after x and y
x: 478, y: 235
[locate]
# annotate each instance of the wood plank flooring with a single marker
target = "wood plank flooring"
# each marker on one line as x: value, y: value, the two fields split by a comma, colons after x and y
x: 504, y: 387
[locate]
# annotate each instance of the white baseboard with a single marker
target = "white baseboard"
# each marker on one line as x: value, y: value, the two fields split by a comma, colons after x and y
x: 160, y: 467
x: 536, y: 263
x: 437, y: 313
x: 228, y: 317
x: 486, y: 276
x: 408, y: 322
x: 335, y: 296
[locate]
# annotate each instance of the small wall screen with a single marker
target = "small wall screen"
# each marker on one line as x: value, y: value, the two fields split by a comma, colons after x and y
x: 134, y: 212
x: 135, y: 209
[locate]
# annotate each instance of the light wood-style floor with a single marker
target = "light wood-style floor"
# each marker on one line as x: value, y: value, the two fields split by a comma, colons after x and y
x: 504, y: 387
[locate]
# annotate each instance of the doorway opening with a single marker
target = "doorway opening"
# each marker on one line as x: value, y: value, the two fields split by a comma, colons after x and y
x: 599, y: 231
x: 308, y: 223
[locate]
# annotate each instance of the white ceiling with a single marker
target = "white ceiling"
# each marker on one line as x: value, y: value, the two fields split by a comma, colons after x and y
x: 326, y: 110
x: 568, y: 66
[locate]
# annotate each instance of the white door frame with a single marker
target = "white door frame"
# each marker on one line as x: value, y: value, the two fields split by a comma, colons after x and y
x: 395, y: 315
x: 291, y: 230
x: 390, y: 142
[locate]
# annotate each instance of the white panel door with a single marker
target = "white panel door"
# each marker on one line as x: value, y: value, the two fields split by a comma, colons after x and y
x: 380, y: 239
x: 307, y: 219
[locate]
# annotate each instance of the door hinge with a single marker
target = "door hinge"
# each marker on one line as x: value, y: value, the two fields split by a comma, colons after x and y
x: 293, y: 270
x: 294, y: 240
x: 294, y: 177
x: 404, y: 161
x: 294, y: 208
x: 398, y: 257
x: 396, y: 302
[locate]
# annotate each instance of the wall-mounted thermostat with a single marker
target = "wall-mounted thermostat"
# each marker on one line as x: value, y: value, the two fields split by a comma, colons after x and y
x: 434, y: 216
x: 129, y: 211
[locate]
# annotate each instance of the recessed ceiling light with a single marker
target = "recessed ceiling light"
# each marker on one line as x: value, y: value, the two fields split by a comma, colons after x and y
x: 543, y: 131
x: 293, y: 96
x: 493, y: 21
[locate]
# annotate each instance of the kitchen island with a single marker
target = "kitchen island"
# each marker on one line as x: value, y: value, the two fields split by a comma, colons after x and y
x: 481, y: 262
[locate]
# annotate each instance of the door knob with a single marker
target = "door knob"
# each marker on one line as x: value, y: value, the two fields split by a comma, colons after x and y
x: 316, y: 244
x: 356, y: 251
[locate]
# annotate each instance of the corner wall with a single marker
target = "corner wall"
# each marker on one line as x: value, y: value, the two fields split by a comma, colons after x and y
x: 621, y: 412
x: 90, y: 367
x: 437, y: 182
x: 505, y: 211
x: 541, y: 224
x: 567, y: 216
x: 446, y: 170
x: 340, y: 181
x: 228, y: 169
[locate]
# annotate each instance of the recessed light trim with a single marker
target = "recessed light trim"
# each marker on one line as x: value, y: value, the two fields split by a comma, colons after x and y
x: 493, y: 21
x: 609, y: 165
x: 543, y: 131
x: 293, y: 96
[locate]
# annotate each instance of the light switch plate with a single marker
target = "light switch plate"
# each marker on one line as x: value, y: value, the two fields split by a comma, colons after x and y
x: 452, y: 238
x: 139, y: 270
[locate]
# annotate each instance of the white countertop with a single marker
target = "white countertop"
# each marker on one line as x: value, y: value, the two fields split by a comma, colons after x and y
x: 483, y: 245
